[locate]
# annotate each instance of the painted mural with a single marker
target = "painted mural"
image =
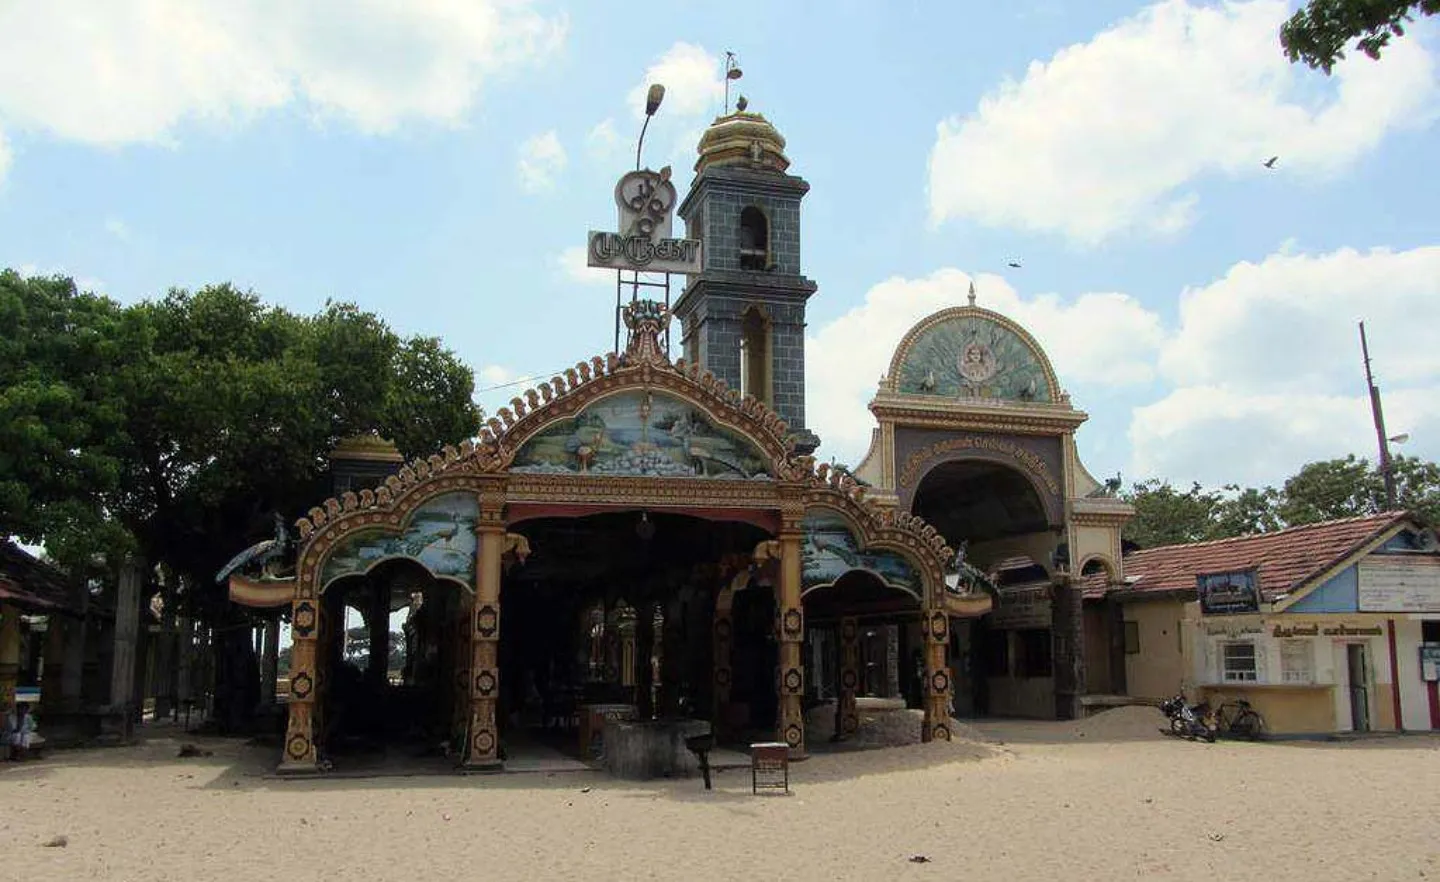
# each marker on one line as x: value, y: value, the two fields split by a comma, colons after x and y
x: 642, y: 434
x: 972, y: 356
x: 441, y: 535
x: 830, y: 550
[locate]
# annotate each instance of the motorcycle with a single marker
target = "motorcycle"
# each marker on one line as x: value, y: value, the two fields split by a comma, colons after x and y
x: 1189, y: 721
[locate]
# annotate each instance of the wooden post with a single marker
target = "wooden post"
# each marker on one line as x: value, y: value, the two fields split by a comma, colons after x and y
x: 790, y: 628
x: 9, y: 656
x: 936, y: 625
x: 301, y: 729
x: 1068, y: 639
x: 127, y: 632
x: 847, y: 714
x: 483, y: 744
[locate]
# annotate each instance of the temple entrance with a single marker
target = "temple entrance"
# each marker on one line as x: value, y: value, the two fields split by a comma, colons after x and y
x: 612, y: 615
x: 1003, y: 663
x: 391, y: 656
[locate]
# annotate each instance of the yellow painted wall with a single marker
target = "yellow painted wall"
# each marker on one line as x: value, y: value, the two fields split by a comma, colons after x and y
x: 1158, y: 669
x: 1097, y: 651
x: 1290, y: 710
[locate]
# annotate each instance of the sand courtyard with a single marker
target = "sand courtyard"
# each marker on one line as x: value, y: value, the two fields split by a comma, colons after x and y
x: 1107, y: 798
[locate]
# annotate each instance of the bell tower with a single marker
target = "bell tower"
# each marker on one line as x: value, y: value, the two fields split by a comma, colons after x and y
x: 743, y: 316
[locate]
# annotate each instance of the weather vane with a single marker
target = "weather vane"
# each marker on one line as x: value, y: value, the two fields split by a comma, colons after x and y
x: 732, y: 72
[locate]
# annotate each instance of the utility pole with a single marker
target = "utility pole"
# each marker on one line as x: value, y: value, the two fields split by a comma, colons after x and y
x: 1386, y: 472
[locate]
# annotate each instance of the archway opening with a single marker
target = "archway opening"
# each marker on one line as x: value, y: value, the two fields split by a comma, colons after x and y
x: 1002, y: 663
x: 615, y: 611
x: 864, y: 657
x: 389, y: 654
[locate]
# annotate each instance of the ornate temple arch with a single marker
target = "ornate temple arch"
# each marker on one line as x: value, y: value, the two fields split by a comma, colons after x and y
x: 570, y: 446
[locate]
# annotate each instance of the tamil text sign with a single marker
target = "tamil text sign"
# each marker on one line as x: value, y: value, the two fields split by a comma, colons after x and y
x: 1408, y: 583
x: 1228, y: 593
x: 644, y: 242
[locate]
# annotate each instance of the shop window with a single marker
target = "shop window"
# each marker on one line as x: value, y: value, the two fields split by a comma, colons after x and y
x: 1132, y: 638
x: 1238, y: 663
x: 1032, y: 653
x: 1297, y: 661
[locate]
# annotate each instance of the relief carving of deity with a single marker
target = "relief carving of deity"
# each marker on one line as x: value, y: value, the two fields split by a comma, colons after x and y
x: 978, y: 363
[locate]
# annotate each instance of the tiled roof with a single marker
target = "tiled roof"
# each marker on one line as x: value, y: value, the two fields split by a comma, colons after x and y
x: 1284, y: 559
x: 30, y: 583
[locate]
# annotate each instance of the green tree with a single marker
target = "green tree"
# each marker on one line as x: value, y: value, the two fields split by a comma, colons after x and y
x: 1350, y: 487
x: 1319, y: 32
x: 1166, y: 516
x: 1245, y: 511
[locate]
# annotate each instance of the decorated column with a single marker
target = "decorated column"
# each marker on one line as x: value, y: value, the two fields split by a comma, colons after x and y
x: 790, y: 720
x: 483, y: 746
x: 937, y: 675
x: 300, y: 731
x: 847, y: 715
x: 722, y: 676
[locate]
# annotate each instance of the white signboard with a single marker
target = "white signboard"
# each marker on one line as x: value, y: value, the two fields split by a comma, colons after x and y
x: 646, y: 200
x: 1404, y: 583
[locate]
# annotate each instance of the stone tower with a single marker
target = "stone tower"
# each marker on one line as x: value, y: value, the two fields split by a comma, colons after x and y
x: 743, y: 316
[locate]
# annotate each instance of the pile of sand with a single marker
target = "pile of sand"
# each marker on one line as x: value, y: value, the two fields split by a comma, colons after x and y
x: 1131, y: 721
x: 888, y: 728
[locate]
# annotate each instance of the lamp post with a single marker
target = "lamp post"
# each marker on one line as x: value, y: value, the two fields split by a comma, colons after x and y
x: 652, y: 104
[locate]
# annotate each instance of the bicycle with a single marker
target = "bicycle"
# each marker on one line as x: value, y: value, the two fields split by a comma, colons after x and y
x: 1240, y: 719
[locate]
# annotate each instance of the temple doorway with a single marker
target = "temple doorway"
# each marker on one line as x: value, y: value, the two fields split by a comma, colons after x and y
x: 612, y: 616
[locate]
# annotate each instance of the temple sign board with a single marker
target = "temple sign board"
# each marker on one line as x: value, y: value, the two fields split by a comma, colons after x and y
x: 644, y: 242
x: 1228, y: 593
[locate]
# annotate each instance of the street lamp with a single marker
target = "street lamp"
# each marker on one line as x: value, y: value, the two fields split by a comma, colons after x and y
x: 652, y: 104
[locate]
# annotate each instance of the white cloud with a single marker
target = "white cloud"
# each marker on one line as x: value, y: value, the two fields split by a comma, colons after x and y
x: 1110, y: 136
x: 1097, y: 337
x: 4, y: 156
x: 572, y: 267
x: 541, y: 160
x: 124, y: 71
x: 117, y: 228
x: 1267, y: 368
x: 692, y: 80
x: 603, y: 141
x: 82, y: 283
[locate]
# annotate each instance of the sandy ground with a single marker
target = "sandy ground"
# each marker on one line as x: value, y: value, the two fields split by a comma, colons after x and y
x: 1104, y: 799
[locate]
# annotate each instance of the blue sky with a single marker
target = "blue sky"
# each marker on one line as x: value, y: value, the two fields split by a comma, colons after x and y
x: 439, y: 163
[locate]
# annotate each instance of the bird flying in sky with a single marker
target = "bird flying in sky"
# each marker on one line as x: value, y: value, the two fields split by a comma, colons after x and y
x: 1015, y: 264
x: 1270, y: 163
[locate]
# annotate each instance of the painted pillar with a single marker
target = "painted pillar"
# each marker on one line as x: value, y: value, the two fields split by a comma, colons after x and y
x: 936, y: 625
x: 9, y: 656
x: 1068, y: 640
x: 302, y: 729
x: 790, y: 626
x: 847, y: 715
x: 127, y: 633
x: 483, y: 744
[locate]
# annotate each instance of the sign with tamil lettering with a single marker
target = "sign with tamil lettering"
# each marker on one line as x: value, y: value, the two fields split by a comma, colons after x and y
x: 1230, y: 593
x: 644, y: 243
x: 1404, y: 583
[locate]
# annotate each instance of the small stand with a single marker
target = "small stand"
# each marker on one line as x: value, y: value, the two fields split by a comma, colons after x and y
x: 701, y: 745
x: 770, y: 766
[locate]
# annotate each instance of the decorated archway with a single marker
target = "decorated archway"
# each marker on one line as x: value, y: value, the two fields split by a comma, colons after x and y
x: 618, y: 433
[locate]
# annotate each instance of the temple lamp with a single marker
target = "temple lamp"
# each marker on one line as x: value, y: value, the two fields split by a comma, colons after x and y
x: 652, y: 104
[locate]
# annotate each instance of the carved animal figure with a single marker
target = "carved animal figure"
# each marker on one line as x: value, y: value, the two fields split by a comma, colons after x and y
x: 267, y: 555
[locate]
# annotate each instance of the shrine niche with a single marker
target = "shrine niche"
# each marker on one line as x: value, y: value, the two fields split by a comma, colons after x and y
x: 440, y: 535
x: 640, y: 433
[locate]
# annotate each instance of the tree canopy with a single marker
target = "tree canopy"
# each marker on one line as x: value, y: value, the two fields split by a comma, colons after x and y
x: 176, y: 427
x: 1320, y: 491
x: 1319, y: 32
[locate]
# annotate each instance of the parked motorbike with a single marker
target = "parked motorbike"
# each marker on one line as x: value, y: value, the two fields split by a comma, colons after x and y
x: 1189, y: 721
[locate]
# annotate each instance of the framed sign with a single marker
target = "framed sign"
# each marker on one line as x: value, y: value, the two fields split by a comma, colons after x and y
x: 643, y: 242
x: 1232, y: 593
x: 1430, y: 662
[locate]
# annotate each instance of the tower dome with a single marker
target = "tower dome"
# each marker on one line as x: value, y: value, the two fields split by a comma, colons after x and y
x: 742, y: 139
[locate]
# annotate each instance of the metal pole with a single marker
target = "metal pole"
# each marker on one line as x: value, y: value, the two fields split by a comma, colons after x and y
x: 1378, y: 413
x: 641, y: 143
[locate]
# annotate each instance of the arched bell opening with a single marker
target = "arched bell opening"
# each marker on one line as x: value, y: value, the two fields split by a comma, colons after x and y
x: 391, y: 664
x: 613, y: 613
x: 864, y: 650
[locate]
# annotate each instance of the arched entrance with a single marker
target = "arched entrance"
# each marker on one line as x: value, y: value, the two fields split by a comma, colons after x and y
x: 595, y: 454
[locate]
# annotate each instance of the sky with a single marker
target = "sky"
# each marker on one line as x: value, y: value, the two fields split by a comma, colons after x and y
x: 439, y: 163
